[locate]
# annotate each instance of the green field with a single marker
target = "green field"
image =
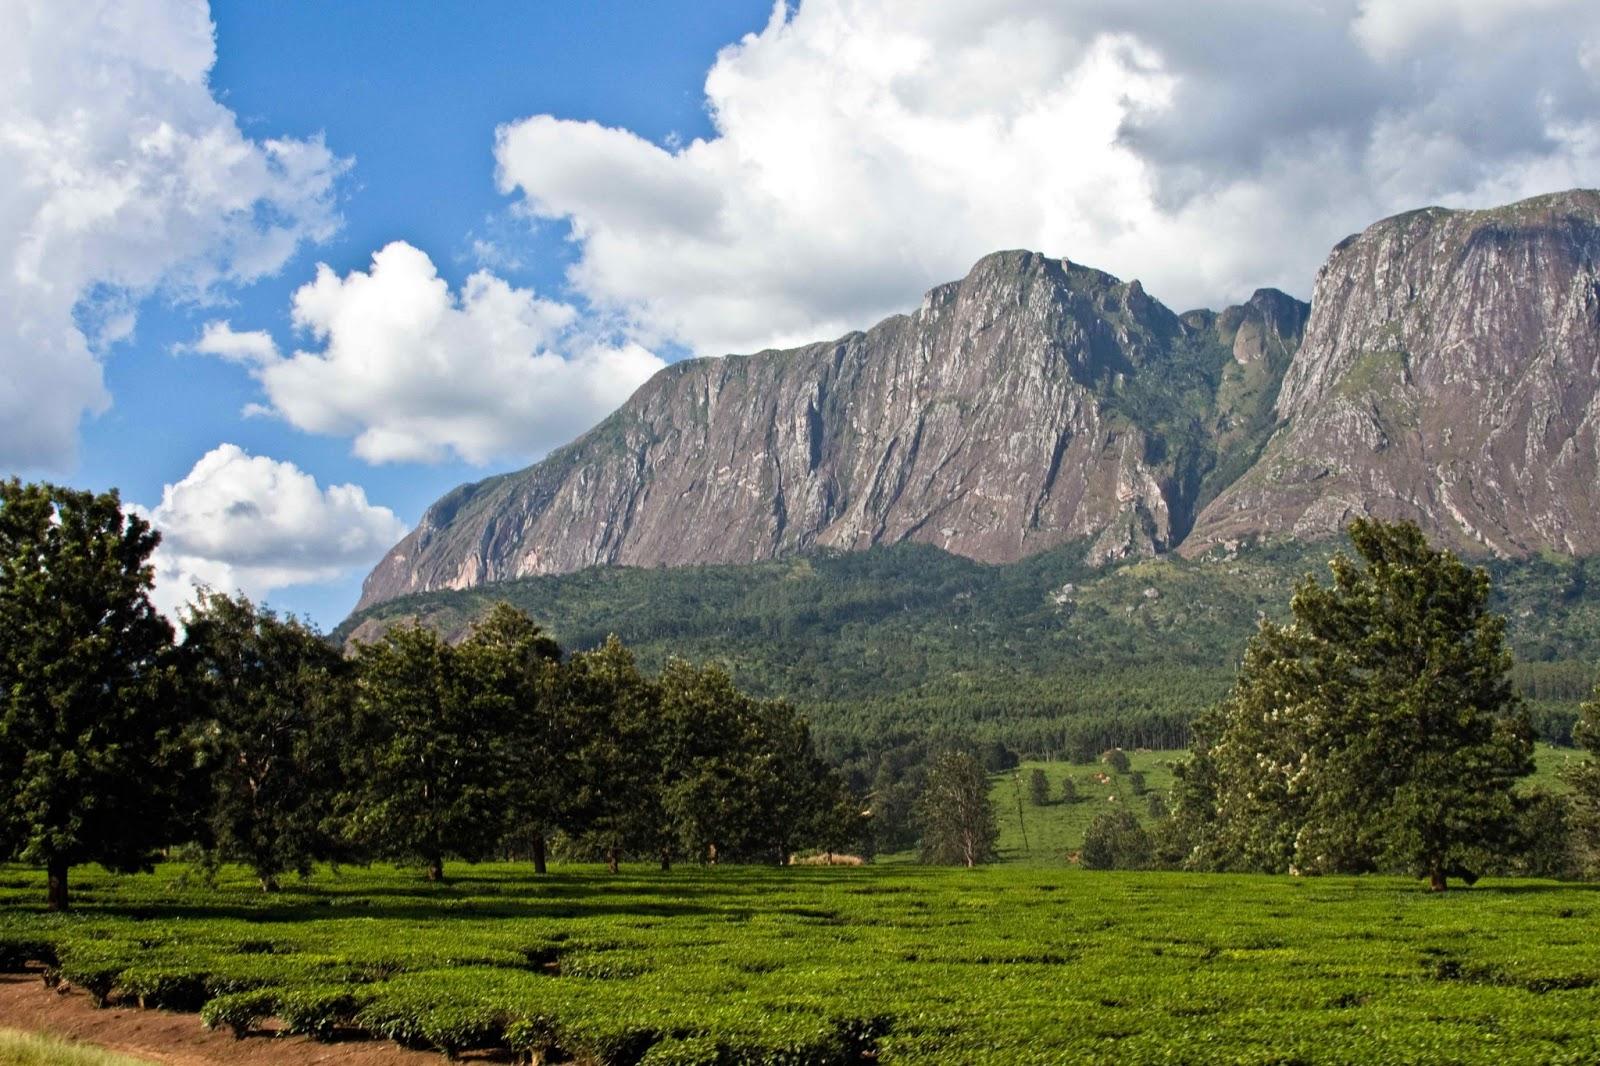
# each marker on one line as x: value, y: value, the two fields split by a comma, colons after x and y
x: 823, y: 965
x: 1055, y: 831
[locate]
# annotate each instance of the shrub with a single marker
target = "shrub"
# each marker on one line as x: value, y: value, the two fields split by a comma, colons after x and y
x: 1137, y: 783
x: 454, y: 1029
x: 16, y: 953
x: 1039, y: 787
x: 1069, y: 790
x: 689, y: 1051
x: 240, y: 1011
x: 165, y: 987
x: 320, y: 1012
x: 96, y: 978
x: 1116, y: 841
x: 1117, y: 759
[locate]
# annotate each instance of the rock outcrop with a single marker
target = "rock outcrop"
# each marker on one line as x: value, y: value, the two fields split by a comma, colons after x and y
x: 1450, y: 375
x: 1033, y: 403
x: 1446, y: 371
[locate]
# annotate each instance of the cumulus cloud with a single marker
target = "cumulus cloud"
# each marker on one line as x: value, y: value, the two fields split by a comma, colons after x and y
x: 238, y: 522
x: 414, y: 372
x: 866, y: 149
x: 123, y: 177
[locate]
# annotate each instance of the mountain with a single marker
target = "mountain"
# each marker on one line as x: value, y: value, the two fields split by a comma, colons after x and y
x: 1032, y: 404
x: 1450, y: 375
x: 1447, y: 371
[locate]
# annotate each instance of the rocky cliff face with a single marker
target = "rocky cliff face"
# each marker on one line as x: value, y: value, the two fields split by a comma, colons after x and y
x: 1034, y: 402
x: 1450, y: 375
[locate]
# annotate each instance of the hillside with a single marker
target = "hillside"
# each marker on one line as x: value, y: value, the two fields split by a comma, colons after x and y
x: 916, y: 640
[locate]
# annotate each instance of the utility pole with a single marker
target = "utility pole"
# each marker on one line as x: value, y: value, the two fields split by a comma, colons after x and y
x: 1016, y: 786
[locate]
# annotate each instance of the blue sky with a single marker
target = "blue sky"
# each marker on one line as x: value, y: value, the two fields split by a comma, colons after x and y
x: 284, y: 273
x: 412, y: 94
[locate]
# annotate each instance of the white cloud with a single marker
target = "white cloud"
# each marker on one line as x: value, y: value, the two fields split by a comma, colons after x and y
x: 123, y: 177
x: 866, y: 149
x: 252, y: 348
x: 238, y: 522
x: 415, y: 372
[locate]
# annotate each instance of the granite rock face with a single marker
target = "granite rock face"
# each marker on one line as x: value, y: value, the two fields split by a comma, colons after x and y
x: 1450, y: 375
x: 1032, y: 403
x: 1447, y: 371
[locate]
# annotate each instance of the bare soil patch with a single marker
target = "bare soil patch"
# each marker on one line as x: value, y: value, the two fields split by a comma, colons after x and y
x: 176, y: 1039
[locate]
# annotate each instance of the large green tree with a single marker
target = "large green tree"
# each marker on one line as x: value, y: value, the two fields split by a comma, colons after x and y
x: 270, y: 702
x: 616, y: 804
x: 425, y: 767
x: 516, y: 662
x: 1376, y: 730
x: 87, y: 715
x: 954, y: 813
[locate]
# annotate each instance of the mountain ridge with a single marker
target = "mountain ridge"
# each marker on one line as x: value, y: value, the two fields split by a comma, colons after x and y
x: 1037, y: 402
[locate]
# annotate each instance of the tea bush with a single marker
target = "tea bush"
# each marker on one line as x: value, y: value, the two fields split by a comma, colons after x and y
x: 820, y: 966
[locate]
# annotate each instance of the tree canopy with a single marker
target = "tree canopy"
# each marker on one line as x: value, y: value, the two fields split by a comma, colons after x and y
x: 87, y: 715
x: 1377, y: 729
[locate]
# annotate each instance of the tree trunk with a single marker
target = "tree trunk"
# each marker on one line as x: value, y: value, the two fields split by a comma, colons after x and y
x: 436, y: 868
x: 666, y: 859
x: 612, y: 859
x: 1436, y: 882
x: 540, y: 865
x: 57, y: 890
x: 711, y: 854
x: 269, y: 883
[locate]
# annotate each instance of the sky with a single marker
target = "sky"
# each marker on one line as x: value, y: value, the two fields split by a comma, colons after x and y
x: 285, y: 273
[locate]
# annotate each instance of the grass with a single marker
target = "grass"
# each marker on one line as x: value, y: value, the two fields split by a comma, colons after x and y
x: 1054, y: 832
x: 36, y: 1049
x: 1005, y: 964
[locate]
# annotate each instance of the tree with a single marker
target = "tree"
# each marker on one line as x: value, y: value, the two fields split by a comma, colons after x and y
x: 1069, y: 790
x: 1583, y: 815
x: 1377, y: 730
x: 955, y: 814
x: 1115, y: 841
x: 616, y: 804
x: 1117, y: 759
x: 425, y: 769
x: 1038, y: 788
x: 516, y: 662
x: 87, y: 719
x: 271, y: 698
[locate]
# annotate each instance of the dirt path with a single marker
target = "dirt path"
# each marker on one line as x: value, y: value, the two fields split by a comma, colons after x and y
x: 178, y: 1039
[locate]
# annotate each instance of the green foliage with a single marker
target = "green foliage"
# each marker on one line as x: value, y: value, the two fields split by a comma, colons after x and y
x: 1117, y: 759
x: 1583, y: 779
x: 1038, y: 786
x: 955, y: 814
x: 239, y: 1012
x: 1378, y: 729
x: 1048, y: 655
x: 269, y: 703
x: 425, y: 771
x: 1116, y: 841
x: 86, y: 708
x: 904, y: 964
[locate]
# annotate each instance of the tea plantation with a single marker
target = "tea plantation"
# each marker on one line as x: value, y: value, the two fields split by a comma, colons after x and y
x: 800, y: 965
